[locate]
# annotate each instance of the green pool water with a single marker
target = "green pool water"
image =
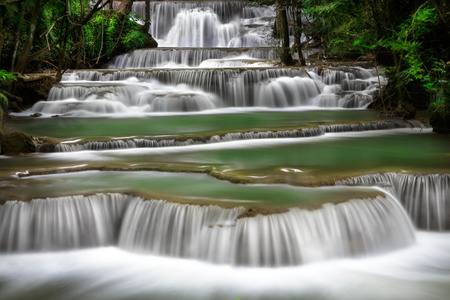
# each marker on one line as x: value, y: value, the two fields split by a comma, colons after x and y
x: 92, y: 128
x: 289, y: 160
x: 183, y: 187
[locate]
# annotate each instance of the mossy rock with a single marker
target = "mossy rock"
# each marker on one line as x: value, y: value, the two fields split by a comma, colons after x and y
x: 16, y: 143
x: 150, y: 42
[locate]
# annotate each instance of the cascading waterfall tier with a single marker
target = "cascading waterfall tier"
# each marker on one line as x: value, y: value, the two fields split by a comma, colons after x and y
x: 426, y: 198
x: 125, y: 97
x: 211, y: 233
x: 187, y: 57
x: 232, y: 136
x: 185, y: 90
x: 61, y: 223
x: 213, y: 23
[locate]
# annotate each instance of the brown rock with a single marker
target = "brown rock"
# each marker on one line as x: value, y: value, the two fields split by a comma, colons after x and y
x: 16, y: 143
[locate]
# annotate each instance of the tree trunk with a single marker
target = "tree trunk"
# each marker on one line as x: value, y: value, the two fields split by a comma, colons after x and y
x: 2, y: 39
x: 23, y: 58
x: 147, y: 16
x: 62, y: 48
x: 17, y: 39
x: 283, y: 31
x: 95, y: 8
x: 298, y: 31
x: 125, y: 6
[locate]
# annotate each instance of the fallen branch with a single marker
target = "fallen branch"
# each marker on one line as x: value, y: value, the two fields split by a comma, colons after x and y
x: 11, y: 96
x: 47, y: 62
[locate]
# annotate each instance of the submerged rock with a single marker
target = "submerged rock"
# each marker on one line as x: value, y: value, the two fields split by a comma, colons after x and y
x: 16, y: 143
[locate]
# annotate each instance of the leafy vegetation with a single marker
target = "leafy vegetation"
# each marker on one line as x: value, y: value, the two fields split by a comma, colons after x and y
x: 109, y: 34
x: 5, y: 80
x: 6, y: 77
x: 38, y: 34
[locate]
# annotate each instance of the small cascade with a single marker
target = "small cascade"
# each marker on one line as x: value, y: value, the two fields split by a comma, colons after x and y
x: 125, y: 92
x: 237, y: 62
x: 345, y: 75
x: 425, y: 197
x: 129, y: 96
x: 61, y: 223
x: 200, y: 28
x: 286, y: 92
x: 353, y: 228
x: 185, y: 57
x: 228, y: 137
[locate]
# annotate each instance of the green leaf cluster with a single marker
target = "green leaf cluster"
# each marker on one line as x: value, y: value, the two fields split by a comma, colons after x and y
x: 110, y: 33
x: 414, y: 59
x: 6, y: 77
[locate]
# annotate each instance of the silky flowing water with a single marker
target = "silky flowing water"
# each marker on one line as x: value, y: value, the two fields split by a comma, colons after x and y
x: 203, y: 170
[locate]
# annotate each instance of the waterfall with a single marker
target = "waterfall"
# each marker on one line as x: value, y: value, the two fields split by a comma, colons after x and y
x: 215, y: 22
x: 425, y: 197
x: 200, y: 28
x: 184, y: 57
x: 269, y: 87
x: 286, y: 92
x: 175, y: 80
x: 353, y: 228
x: 211, y: 233
x: 61, y: 223
x: 129, y: 96
x: 232, y: 136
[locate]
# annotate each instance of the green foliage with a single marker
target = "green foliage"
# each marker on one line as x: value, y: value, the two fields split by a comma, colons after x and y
x: 110, y: 33
x: 105, y: 35
x: 404, y: 35
x: 8, y: 9
x: 441, y: 108
x: 346, y: 25
x: 407, y: 43
x: 6, y: 77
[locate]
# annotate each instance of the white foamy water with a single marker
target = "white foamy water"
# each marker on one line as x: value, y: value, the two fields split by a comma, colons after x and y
x: 419, y: 272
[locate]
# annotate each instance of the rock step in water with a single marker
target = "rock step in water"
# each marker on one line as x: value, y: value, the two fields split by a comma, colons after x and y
x: 227, y: 137
x: 353, y: 228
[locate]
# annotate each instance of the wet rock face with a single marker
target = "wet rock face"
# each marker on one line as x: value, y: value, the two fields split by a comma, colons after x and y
x: 16, y: 143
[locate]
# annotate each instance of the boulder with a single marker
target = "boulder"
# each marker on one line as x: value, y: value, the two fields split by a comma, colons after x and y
x: 16, y: 143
